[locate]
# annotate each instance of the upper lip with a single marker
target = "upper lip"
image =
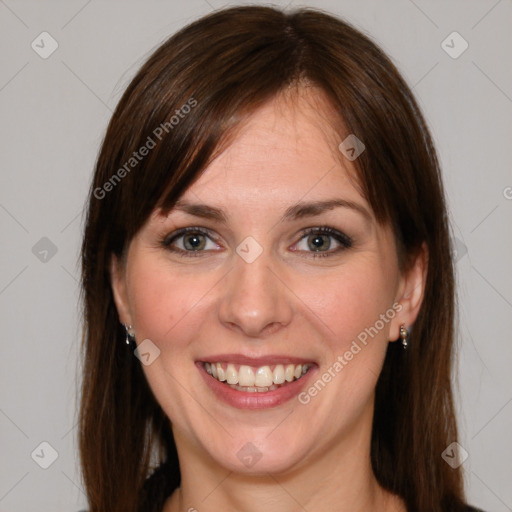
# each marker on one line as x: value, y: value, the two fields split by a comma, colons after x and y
x: 255, y: 361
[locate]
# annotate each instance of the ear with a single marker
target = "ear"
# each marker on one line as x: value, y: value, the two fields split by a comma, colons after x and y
x: 119, y: 290
x: 410, y: 292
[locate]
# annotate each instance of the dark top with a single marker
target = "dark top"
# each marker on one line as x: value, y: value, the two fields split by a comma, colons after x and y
x: 468, y: 509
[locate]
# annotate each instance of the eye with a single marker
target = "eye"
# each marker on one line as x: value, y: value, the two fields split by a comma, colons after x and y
x: 323, y: 241
x: 190, y: 241
x: 319, y: 241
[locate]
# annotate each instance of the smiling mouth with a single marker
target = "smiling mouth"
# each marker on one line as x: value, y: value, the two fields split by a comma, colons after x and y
x: 260, y: 379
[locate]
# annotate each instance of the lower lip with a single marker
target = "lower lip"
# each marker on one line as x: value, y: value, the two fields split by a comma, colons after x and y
x: 256, y: 400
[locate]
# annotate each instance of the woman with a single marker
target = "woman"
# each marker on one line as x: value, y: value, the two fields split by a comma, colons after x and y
x: 268, y: 282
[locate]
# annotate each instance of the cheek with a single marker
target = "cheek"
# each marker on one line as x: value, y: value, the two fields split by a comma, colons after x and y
x: 165, y: 304
x: 356, y: 309
x: 352, y: 300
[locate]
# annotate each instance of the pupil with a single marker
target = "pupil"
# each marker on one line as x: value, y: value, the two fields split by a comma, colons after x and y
x: 194, y: 242
x: 319, y: 241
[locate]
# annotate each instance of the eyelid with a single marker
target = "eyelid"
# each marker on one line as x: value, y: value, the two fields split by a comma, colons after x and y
x: 168, y: 239
x: 343, y: 239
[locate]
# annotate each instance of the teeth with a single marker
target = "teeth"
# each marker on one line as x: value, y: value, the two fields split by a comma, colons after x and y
x: 263, y: 377
x: 221, y: 374
x: 278, y: 375
x: 231, y: 374
x: 254, y: 380
x: 253, y: 389
x: 246, y: 376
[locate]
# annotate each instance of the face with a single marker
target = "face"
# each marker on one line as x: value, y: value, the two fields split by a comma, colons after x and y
x: 283, y: 282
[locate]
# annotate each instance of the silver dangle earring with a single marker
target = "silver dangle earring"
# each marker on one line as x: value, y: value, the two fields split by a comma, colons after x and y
x: 130, y: 335
x: 404, y: 336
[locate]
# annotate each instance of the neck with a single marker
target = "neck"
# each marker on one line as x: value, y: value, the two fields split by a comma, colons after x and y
x: 340, y: 478
x: 279, y: 494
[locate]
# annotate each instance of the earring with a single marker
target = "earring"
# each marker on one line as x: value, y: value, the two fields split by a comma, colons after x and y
x: 404, y: 336
x: 130, y: 335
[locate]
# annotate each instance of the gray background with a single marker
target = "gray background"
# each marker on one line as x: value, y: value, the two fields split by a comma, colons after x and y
x: 53, y: 116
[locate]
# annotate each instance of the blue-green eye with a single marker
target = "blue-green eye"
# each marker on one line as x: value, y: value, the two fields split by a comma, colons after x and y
x: 320, y: 241
x: 189, y: 241
x: 317, y: 242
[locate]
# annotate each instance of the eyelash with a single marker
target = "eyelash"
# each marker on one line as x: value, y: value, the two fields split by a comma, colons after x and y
x: 343, y: 239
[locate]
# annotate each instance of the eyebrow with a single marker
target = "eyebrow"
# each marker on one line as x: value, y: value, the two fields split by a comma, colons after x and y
x: 298, y: 211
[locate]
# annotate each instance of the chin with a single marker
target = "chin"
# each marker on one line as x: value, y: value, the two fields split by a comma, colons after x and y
x: 260, y: 456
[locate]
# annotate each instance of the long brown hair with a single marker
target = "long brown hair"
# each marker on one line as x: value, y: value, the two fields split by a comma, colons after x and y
x: 224, y: 66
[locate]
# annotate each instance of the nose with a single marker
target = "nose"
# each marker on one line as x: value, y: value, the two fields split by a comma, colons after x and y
x: 255, y: 300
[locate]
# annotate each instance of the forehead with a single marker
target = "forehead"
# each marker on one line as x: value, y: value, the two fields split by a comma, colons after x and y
x: 284, y: 151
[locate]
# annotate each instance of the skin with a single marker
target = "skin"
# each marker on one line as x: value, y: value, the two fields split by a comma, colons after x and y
x: 316, y: 456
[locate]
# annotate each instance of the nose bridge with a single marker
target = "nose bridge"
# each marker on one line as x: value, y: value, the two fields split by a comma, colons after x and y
x: 254, y: 300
